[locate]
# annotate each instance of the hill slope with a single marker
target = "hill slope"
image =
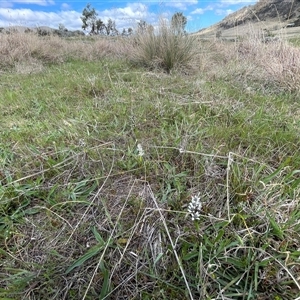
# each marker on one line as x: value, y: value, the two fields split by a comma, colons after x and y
x: 272, y: 15
x: 272, y: 10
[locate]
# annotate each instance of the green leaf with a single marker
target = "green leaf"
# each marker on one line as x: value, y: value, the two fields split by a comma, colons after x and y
x: 275, y: 228
x: 31, y: 211
x: 97, y: 236
x: 271, y: 176
x: 157, y: 259
x: 106, y: 282
x: 89, y: 254
x: 219, y: 236
x: 191, y: 255
x: 256, y: 269
x: 265, y: 262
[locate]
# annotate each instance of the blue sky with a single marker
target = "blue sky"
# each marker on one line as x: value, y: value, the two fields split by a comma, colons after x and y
x: 126, y: 14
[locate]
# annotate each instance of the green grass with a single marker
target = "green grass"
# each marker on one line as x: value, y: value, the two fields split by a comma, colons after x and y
x: 295, y: 41
x: 84, y: 216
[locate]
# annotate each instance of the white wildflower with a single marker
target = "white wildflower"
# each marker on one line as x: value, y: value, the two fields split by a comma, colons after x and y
x: 140, y: 150
x: 81, y: 143
x: 194, y: 207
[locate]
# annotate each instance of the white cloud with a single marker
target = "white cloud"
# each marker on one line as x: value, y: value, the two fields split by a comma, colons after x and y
x: 129, y: 15
x: 30, y: 18
x: 198, y: 11
x: 223, y: 7
x: 182, y: 5
x: 224, y: 12
x: 37, y: 2
x: 229, y: 11
x: 65, y: 6
x: 201, y: 11
x: 232, y: 2
x: 125, y: 17
x: 132, y: 11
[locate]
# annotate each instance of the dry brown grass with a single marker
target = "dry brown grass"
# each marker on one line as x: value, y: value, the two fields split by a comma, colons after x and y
x: 282, y: 65
x: 275, y: 63
x: 19, y: 49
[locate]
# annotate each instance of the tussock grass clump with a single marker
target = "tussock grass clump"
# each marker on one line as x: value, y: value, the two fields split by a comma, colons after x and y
x: 163, y: 48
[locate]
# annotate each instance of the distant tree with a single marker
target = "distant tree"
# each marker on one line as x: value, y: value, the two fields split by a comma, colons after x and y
x: 96, y: 25
x: 143, y: 26
x: 100, y: 27
x: 43, y: 31
x: 111, y: 28
x: 178, y: 23
x: 62, y: 27
x: 89, y: 19
x: 27, y: 30
x: 130, y: 31
x: 115, y: 30
x: 127, y: 32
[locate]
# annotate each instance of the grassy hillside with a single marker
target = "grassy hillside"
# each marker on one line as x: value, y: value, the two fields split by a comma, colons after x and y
x: 126, y: 174
x: 280, y: 18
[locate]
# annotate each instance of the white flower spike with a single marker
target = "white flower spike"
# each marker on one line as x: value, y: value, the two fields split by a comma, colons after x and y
x: 194, y: 208
x: 140, y: 150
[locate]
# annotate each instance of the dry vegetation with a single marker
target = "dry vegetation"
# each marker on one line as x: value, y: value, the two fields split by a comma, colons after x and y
x: 21, y: 48
x: 99, y: 159
x: 276, y: 16
x: 164, y: 49
x: 275, y: 62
